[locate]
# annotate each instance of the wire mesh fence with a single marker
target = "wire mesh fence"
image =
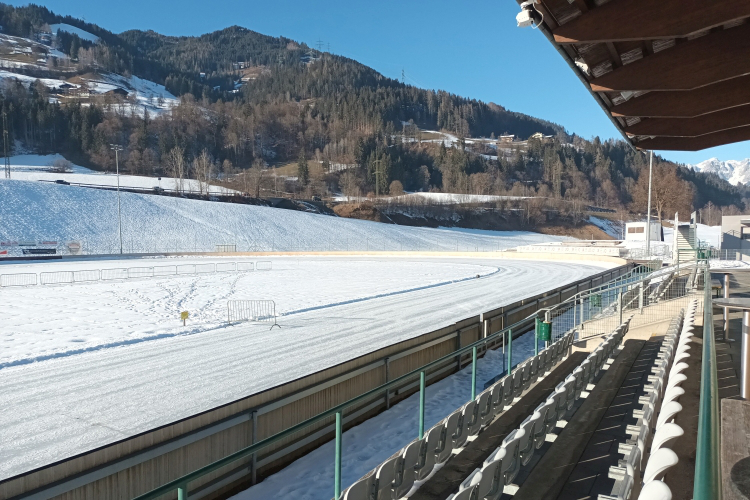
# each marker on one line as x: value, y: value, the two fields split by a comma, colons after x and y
x: 647, y: 299
x: 263, y: 265
x: 140, y: 272
x: 165, y: 270
x: 251, y: 310
x: 225, y: 267
x: 115, y: 274
x: 55, y: 278
x: 205, y: 268
x: 20, y: 279
x: 186, y: 269
x: 246, y: 266
x: 86, y: 275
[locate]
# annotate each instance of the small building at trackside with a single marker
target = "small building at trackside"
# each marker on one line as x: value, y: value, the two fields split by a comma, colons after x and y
x: 735, y: 235
x: 636, y: 231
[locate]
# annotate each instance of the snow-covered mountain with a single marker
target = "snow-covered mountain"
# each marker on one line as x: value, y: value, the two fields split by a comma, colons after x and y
x: 733, y: 171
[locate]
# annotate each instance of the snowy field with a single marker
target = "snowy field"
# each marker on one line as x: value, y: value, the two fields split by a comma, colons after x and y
x: 89, y: 364
x: 38, y: 168
x: 150, y: 223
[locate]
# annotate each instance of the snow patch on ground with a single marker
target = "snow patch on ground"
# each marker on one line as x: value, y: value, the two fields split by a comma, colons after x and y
x: 33, y: 167
x: 83, y: 35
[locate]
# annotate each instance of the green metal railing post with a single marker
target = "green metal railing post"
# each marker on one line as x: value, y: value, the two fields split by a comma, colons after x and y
x: 337, y: 459
x: 182, y: 492
x: 473, y: 372
x: 707, y: 485
x: 421, y: 404
x: 510, y: 351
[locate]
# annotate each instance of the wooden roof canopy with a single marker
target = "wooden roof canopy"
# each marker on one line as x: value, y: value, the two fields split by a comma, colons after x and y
x: 672, y: 74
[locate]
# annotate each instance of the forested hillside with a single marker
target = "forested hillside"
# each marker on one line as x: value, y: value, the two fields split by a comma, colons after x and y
x: 250, y: 101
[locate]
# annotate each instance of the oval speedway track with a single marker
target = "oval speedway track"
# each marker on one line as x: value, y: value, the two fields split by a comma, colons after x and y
x: 62, y: 407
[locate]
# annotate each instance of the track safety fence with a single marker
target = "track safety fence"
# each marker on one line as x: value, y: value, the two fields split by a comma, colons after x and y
x: 21, y: 279
x: 124, y: 273
x: 252, y: 310
x: 263, y: 265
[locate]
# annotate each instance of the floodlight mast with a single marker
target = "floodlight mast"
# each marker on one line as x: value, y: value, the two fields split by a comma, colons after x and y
x: 117, y: 148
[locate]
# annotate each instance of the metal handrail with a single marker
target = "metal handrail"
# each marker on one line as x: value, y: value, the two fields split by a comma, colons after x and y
x: 707, y: 485
x: 181, y: 483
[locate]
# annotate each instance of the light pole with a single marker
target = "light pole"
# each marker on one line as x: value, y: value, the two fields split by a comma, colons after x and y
x: 648, y: 214
x: 117, y: 148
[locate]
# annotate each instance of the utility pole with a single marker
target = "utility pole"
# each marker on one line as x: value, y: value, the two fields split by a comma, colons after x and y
x: 117, y: 148
x: 403, y: 76
x: 5, y: 145
x: 648, y: 214
x: 320, y: 45
x: 377, y: 177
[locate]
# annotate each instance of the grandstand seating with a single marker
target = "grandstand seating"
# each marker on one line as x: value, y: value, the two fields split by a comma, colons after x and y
x: 655, y: 429
x: 421, y: 458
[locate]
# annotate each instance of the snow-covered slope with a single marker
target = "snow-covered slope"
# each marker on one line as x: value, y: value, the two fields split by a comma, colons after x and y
x: 40, y: 168
x: 36, y: 210
x: 83, y: 35
x: 733, y: 171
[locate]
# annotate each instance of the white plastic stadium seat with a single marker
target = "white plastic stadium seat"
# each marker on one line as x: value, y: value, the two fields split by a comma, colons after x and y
x: 386, y: 474
x: 666, y: 436
x: 655, y: 490
x: 412, y: 461
x: 361, y: 490
x: 658, y: 464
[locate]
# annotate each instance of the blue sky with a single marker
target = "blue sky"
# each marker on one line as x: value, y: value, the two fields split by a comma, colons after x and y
x: 473, y: 49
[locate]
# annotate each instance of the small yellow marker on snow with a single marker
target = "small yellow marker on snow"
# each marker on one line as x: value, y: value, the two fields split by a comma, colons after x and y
x: 184, y: 315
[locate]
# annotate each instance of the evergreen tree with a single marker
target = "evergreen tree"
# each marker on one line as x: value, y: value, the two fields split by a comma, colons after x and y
x: 303, y: 172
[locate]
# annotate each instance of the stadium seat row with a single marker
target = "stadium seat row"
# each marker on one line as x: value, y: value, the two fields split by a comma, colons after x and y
x: 405, y: 470
x: 517, y: 449
x: 655, y: 421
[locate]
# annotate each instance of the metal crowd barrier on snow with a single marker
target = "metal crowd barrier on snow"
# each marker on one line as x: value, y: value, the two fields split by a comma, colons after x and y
x: 122, y: 273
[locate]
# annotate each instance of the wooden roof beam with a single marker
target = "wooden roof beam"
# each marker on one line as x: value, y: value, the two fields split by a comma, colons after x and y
x: 620, y: 20
x: 686, y: 66
x: 688, y: 104
x: 693, y: 127
x: 696, y: 143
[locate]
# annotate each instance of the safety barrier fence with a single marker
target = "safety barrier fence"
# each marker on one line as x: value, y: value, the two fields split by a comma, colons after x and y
x: 251, y: 310
x: 253, y: 418
x: 21, y: 279
x: 124, y: 273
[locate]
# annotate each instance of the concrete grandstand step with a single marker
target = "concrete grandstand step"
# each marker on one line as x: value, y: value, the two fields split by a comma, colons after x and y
x: 550, y: 476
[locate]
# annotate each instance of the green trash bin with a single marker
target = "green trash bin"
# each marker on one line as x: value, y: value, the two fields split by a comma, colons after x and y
x: 543, y: 330
x: 596, y: 301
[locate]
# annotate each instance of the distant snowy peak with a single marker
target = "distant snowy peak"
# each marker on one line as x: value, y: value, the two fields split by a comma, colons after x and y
x: 83, y: 35
x: 733, y: 171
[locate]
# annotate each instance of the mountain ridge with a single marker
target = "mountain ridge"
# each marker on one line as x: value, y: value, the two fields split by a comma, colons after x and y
x: 733, y: 171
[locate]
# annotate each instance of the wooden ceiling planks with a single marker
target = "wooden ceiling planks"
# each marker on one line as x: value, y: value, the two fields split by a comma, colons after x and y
x: 696, y: 143
x: 691, y: 127
x: 688, y: 104
x: 622, y: 20
x: 687, y: 66
x: 686, y: 61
